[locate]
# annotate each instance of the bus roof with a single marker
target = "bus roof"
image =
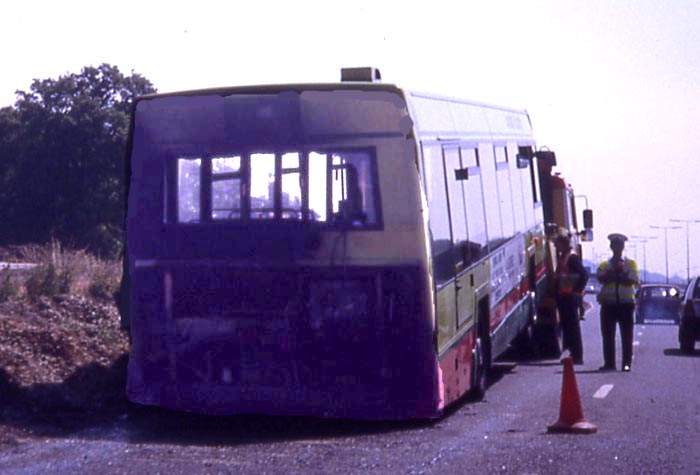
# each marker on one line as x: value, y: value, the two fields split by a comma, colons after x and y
x: 435, y: 116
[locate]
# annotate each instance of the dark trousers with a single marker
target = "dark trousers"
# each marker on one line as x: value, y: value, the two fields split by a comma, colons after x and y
x: 612, y: 315
x: 568, y: 306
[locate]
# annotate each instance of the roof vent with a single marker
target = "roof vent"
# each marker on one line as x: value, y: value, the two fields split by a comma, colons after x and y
x: 367, y: 74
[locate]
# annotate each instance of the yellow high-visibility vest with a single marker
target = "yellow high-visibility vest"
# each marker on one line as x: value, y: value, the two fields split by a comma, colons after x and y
x: 615, y: 292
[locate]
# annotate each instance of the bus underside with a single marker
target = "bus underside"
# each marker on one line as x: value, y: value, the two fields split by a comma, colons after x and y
x: 327, y: 342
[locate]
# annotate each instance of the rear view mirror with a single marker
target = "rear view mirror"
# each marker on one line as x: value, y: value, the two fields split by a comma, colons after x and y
x: 547, y: 156
x: 588, y: 219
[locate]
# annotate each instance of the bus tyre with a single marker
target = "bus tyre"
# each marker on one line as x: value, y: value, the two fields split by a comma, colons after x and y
x: 479, y: 372
x: 524, y: 343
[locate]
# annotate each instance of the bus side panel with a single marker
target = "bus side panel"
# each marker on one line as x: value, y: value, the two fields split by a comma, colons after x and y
x: 457, y: 366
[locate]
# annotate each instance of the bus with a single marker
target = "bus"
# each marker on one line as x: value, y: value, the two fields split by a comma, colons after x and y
x: 350, y: 250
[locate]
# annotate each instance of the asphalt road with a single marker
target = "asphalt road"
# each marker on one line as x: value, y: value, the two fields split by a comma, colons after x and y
x: 647, y: 423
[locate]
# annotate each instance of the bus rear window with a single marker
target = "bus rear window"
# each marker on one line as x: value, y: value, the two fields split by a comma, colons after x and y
x: 320, y: 186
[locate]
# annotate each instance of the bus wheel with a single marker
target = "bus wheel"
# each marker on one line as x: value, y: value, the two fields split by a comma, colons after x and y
x: 479, y: 372
x: 524, y: 344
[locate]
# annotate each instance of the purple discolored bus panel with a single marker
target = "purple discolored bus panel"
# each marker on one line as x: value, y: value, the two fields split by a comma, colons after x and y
x: 224, y: 317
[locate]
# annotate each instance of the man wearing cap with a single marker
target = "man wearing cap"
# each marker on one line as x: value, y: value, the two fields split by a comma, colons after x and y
x: 619, y: 276
x: 571, y: 277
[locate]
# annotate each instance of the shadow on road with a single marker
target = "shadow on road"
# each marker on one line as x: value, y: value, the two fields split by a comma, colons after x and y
x: 91, y: 395
x: 678, y: 352
x: 91, y: 404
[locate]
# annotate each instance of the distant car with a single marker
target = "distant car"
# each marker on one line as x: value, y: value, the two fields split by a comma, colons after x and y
x: 689, y: 329
x: 592, y: 288
x: 658, y: 302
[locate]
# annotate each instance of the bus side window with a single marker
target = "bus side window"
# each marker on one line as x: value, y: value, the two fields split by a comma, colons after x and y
x: 439, y: 218
x: 505, y: 192
x: 517, y: 190
x: 473, y: 195
x: 458, y: 214
x: 492, y: 204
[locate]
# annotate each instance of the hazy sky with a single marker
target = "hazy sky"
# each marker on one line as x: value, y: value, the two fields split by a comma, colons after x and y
x: 612, y: 86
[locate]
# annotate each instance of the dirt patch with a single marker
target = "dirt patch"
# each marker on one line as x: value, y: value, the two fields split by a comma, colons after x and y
x: 63, y: 353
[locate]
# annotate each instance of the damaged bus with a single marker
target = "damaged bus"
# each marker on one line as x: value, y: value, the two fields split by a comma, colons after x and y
x: 352, y: 250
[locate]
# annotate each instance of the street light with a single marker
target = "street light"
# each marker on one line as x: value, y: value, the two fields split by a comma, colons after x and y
x: 644, y: 240
x: 665, y: 228
x: 687, y: 241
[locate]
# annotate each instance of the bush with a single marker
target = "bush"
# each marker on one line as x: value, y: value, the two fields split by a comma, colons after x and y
x: 60, y: 270
x: 47, y: 279
x: 8, y: 287
x: 104, y: 283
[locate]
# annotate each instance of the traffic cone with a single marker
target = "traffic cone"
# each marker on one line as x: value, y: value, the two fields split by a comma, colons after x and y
x: 571, y: 417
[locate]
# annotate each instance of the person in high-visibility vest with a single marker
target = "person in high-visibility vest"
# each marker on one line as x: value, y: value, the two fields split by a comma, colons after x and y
x: 619, y: 276
x: 571, y: 277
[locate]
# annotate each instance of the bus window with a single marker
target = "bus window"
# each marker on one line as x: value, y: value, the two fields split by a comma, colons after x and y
x: 457, y: 209
x: 291, y: 186
x: 527, y: 187
x: 526, y: 151
x: 226, y: 188
x: 439, y: 218
x: 262, y: 185
x: 492, y: 203
x: 188, y: 189
x: 352, y: 188
x: 343, y: 188
x: 318, y: 187
x: 474, y: 202
x: 505, y: 192
x: 518, y: 195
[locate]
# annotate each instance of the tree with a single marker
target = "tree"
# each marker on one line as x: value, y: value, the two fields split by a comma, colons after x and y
x: 63, y: 148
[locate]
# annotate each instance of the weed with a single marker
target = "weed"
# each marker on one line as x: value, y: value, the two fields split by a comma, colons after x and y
x: 8, y: 287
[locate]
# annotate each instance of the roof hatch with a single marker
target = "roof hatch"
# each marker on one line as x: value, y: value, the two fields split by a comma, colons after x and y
x: 366, y: 74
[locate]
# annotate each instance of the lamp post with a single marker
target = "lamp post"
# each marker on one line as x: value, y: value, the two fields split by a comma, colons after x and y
x: 687, y: 242
x: 665, y: 228
x: 644, y: 240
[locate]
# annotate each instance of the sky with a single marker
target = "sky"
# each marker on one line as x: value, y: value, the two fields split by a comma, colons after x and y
x: 612, y: 86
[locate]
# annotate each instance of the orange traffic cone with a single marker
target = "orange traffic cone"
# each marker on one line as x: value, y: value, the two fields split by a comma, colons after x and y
x: 571, y: 413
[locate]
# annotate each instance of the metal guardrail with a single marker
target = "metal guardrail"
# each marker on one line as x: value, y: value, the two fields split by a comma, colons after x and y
x: 16, y: 265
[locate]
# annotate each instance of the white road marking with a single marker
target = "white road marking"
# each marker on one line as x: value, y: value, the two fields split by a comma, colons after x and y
x: 603, y: 391
x: 640, y: 333
x: 635, y: 343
